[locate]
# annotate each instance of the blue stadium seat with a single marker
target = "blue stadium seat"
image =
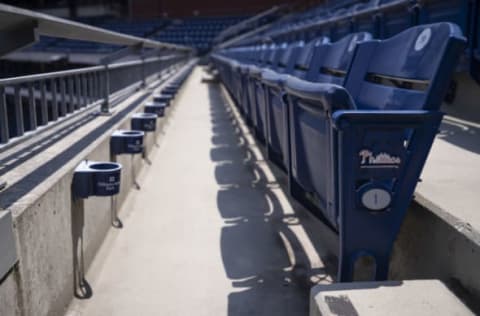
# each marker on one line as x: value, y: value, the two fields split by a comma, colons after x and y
x: 329, y: 63
x: 256, y: 88
x: 253, y: 74
x: 198, y: 32
x: 357, y: 151
x: 304, y: 59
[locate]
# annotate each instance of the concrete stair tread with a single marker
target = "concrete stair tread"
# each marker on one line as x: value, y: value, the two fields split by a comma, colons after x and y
x: 414, y: 297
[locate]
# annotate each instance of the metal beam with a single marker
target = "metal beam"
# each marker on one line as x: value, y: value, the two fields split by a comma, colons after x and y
x: 17, y: 36
x: 253, y: 19
x: 243, y: 36
x: 121, y: 53
x: 157, y: 52
x: 12, y: 17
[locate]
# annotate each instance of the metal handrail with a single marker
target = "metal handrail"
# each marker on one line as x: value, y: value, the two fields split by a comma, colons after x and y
x: 48, y: 75
x: 71, y: 72
x: 135, y: 62
x: 33, y: 101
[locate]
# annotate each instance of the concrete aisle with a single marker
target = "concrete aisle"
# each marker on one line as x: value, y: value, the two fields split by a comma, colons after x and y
x: 209, y: 233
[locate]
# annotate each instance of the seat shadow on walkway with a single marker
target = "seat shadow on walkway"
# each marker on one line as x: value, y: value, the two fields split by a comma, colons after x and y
x: 460, y: 134
x: 259, y: 250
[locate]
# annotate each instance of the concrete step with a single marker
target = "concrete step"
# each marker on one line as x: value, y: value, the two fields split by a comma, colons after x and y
x: 415, y: 297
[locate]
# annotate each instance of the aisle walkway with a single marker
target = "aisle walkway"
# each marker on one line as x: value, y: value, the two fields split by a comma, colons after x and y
x: 209, y: 233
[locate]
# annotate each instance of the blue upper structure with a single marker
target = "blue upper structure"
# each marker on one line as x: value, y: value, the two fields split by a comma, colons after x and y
x: 198, y: 32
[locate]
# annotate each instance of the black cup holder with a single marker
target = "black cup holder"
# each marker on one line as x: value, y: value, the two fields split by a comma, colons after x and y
x: 104, y: 166
x: 162, y: 98
x: 92, y: 178
x: 146, y: 122
x: 169, y: 91
x: 126, y: 142
x: 133, y: 133
x: 155, y: 108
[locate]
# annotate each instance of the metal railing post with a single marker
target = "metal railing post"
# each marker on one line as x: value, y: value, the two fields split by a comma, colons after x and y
x: 32, y: 107
x: 78, y: 92
x: 144, y: 75
x: 18, y: 109
x: 83, y: 79
x: 54, y: 99
x: 63, y: 97
x: 4, y: 133
x: 71, y: 95
x: 43, y: 104
x: 105, y: 108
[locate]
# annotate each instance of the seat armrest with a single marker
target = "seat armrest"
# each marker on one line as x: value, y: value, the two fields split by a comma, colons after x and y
x: 331, y: 97
x: 273, y: 79
x: 342, y: 119
x: 244, y: 68
x: 236, y: 65
x: 255, y: 71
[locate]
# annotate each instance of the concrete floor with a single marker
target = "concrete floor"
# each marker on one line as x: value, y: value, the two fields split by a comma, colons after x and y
x: 210, y: 232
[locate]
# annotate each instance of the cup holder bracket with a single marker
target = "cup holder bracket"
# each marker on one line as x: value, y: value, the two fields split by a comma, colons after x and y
x: 95, y: 178
x: 155, y: 108
x: 146, y: 122
x: 127, y: 142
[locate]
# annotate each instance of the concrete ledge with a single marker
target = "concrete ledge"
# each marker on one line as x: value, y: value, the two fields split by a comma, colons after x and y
x: 416, y: 297
x: 432, y: 243
x: 55, y: 235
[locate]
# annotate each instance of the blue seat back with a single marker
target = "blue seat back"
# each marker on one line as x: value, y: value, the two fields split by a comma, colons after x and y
x: 405, y: 72
x: 269, y: 55
x: 330, y: 62
x: 287, y: 59
x: 255, y: 52
x: 250, y: 54
x: 304, y: 58
x: 262, y: 57
x: 278, y: 53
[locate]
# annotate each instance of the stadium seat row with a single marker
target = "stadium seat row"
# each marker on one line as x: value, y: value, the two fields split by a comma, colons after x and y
x: 383, y: 19
x: 351, y: 122
x: 198, y: 32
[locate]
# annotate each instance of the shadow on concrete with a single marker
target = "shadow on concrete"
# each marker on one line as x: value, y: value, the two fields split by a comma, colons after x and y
x: 115, y: 220
x: 81, y: 287
x: 461, y: 135
x: 261, y: 254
